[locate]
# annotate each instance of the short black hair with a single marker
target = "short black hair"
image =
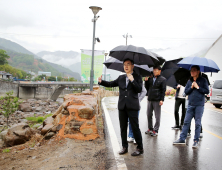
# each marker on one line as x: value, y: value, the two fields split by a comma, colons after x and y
x: 157, y: 67
x: 197, y: 67
x: 127, y: 59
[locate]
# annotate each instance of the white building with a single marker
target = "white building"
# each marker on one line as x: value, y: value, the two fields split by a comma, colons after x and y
x: 215, y: 53
x: 44, y: 73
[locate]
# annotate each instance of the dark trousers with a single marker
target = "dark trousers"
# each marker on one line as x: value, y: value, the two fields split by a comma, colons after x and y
x: 178, y: 102
x: 201, y: 130
x: 153, y: 106
x: 132, y: 115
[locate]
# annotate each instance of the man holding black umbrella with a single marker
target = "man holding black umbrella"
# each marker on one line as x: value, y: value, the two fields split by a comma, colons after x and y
x: 130, y: 84
x: 156, y: 87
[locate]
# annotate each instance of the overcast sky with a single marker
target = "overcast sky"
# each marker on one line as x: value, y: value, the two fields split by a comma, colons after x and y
x: 184, y: 27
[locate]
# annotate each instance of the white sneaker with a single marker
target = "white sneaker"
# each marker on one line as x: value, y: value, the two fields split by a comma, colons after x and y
x: 134, y: 141
x: 130, y: 139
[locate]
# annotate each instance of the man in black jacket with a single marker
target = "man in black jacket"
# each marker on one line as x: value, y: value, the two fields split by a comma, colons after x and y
x: 156, y: 87
x: 130, y: 84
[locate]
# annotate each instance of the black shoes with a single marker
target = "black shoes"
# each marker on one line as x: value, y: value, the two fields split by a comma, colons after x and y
x: 123, y: 151
x: 176, y: 127
x: 137, y: 152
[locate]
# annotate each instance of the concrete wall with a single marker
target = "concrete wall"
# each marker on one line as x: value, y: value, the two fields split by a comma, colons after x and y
x: 8, y: 86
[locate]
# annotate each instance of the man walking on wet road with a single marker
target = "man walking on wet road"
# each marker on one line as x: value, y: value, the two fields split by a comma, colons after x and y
x: 130, y: 84
x: 196, y: 89
x: 156, y: 87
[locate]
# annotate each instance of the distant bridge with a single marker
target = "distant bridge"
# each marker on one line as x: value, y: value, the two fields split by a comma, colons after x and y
x: 28, y: 89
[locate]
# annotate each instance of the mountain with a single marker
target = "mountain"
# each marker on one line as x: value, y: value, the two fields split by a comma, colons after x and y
x: 26, y: 60
x: 76, y: 67
x: 7, y: 44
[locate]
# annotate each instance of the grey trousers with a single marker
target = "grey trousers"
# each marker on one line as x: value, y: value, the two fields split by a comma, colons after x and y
x: 153, y: 106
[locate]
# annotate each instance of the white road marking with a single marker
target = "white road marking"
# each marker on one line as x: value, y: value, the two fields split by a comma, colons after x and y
x: 120, y: 162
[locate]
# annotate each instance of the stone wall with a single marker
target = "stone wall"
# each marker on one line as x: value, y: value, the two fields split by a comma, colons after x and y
x: 8, y: 86
x: 77, y: 116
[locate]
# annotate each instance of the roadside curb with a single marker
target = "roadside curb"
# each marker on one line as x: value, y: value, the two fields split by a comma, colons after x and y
x: 120, y: 162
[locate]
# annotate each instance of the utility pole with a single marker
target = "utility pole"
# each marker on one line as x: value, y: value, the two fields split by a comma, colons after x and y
x: 127, y: 36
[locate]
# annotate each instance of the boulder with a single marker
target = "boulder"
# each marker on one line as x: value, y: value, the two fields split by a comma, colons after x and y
x: 49, y: 135
x: 38, y: 109
x: 3, y: 133
x: 25, y: 107
x: 48, y: 120
x: 46, y: 128
x: 36, y: 125
x: 1, y: 143
x: 86, y: 112
x: 18, y: 134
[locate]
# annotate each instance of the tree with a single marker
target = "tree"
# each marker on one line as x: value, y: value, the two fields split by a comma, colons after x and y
x: 72, y: 79
x: 3, y: 57
x: 10, y: 105
x: 59, y: 78
x: 51, y: 78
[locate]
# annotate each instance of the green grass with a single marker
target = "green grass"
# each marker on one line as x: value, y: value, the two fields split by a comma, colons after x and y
x: 38, y: 119
x: 6, y: 150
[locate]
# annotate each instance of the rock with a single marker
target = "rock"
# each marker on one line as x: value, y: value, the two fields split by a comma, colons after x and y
x: 87, y: 131
x: 25, y: 107
x: 1, y: 143
x: 48, y: 120
x: 57, y: 111
x: 23, y: 120
x: 18, y: 134
x: 49, y: 135
x: 46, y: 128
x: 86, y: 112
x: 31, y: 100
x: 40, y: 127
x: 3, y: 133
x: 38, y: 109
x: 36, y: 125
x: 59, y: 127
x: 90, y: 123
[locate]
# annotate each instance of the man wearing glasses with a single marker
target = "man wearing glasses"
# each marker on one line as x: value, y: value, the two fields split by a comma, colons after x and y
x: 196, y: 89
x: 130, y: 84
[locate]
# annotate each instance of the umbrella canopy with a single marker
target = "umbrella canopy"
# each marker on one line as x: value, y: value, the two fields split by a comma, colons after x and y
x: 183, y: 75
x: 168, y: 70
x: 115, y: 64
x: 206, y: 65
x: 139, y: 55
x: 161, y: 59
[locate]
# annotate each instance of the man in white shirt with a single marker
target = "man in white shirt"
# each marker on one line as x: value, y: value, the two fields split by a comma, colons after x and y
x: 179, y: 100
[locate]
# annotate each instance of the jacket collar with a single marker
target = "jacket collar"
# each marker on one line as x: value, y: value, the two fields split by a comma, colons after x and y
x: 199, y: 77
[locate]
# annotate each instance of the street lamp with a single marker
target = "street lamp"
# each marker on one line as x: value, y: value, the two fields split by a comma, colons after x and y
x: 95, y: 10
x: 105, y: 66
x: 127, y: 36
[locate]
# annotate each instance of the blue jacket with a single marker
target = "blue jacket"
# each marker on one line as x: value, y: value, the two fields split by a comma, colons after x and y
x: 196, y: 97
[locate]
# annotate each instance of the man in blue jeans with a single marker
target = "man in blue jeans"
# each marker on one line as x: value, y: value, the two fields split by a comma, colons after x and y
x: 130, y: 135
x: 196, y: 89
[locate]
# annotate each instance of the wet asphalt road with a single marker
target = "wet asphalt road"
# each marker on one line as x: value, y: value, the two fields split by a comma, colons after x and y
x: 160, y: 153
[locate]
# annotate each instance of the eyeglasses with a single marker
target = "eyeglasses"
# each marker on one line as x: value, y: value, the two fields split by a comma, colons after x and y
x: 127, y: 65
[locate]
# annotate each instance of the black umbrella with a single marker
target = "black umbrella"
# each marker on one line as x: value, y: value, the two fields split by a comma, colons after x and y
x: 168, y: 70
x: 139, y: 55
x: 182, y: 76
x: 161, y: 59
x: 115, y: 64
x: 171, y: 64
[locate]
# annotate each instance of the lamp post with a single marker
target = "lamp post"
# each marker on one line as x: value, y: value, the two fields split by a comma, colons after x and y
x: 105, y: 66
x: 95, y: 10
x: 127, y: 36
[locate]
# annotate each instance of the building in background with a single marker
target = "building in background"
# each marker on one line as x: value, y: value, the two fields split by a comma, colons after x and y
x: 5, y: 75
x: 44, y: 73
x: 215, y: 53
